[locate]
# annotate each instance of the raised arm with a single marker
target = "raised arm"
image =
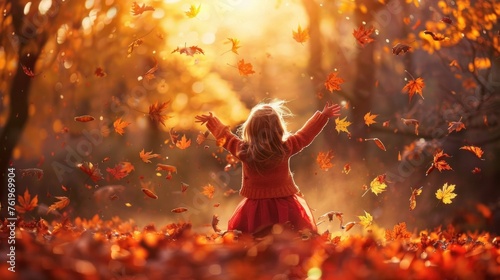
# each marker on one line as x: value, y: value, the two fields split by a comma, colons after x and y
x: 220, y: 131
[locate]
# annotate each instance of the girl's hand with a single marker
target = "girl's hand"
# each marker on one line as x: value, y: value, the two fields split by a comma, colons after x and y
x: 331, y: 110
x: 202, y: 119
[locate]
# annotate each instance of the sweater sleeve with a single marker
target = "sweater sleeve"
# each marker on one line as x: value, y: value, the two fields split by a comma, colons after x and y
x: 304, y: 136
x: 221, y: 132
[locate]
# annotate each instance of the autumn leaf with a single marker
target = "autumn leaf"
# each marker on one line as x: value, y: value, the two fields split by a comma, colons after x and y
x: 133, y: 45
x: 138, y: 10
x: 146, y: 156
x: 445, y: 194
x: 63, y: 202
x: 201, y: 137
x: 333, y: 82
x: 92, y: 170
x: 245, y: 69
x: 119, y: 172
x: 377, y: 185
x: 348, y: 226
x: 366, y: 220
x: 235, y: 44
x: 208, y: 191
x: 301, y: 35
x: 150, y: 74
x: 119, y: 125
x: 215, y: 223
x: 347, y: 168
x: 127, y: 166
x: 28, y: 71
x: 414, y: 122
x: 369, y: 118
x: 362, y: 35
x: 400, y: 48
x: 183, y: 143
x: 149, y: 193
x: 435, y: 37
x: 84, y: 118
x: 455, y: 126
x: 415, y: 86
x: 342, y: 124
x: 475, y: 150
x: 156, y: 112
x: 399, y: 232
x: 179, y: 210
x: 413, y: 197
x: 99, y: 72
x: 439, y: 163
x: 377, y: 141
x: 324, y: 160
x: 189, y: 51
x: 193, y: 11
x: 229, y: 192
x: 36, y: 172
x: 26, y: 203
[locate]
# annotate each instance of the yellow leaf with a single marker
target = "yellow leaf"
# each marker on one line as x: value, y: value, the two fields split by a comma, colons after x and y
x: 446, y: 194
x: 301, y: 35
x: 193, y: 11
x: 342, y: 124
x: 366, y: 220
x: 235, y: 44
x: 378, y: 184
x: 369, y: 118
x: 183, y: 143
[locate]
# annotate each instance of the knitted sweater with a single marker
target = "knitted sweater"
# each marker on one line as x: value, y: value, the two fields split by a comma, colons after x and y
x: 276, y: 181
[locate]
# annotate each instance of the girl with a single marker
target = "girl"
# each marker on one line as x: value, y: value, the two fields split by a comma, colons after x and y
x: 264, y: 148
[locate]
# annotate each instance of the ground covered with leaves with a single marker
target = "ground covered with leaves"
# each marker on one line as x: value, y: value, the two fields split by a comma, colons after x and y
x: 116, y: 249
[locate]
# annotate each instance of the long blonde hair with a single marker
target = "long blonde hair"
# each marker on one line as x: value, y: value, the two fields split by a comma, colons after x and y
x: 264, y: 132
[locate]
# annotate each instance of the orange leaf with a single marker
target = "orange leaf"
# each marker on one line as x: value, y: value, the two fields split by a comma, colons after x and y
x: 138, y: 10
x: 301, y: 35
x: 369, y: 118
x: 245, y: 68
x: 166, y: 167
x: 362, y: 35
x: 324, y: 160
x: 202, y: 136
x: 119, y: 125
x: 118, y: 172
x: 414, y: 87
x: 476, y: 170
x: 149, y: 193
x: 189, y: 51
x: 26, y: 204
x: 411, y: 122
x: 84, y: 118
x: 92, y: 170
x: 193, y: 11
x: 179, y: 210
x: 183, y: 143
x: 347, y: 168
x: 439, y: 163
x: 475, y: 150
x: 455, y: 126
x: 413, y: 197
x: 127, y: 166
x: 235, y: 44
x: 99, y: 72
x: 156, y: 112
x: 184, y: 187
x: 208, y: 191
x: 146, y: 156
x: 333, y: 82
x: 150, y: 74
x: 32, y: 172
x: 63, y: 202
x: 377, y: 142
x: 435, y: 36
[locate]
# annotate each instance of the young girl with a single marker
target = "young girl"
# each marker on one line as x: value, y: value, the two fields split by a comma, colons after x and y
x: 264, y: 148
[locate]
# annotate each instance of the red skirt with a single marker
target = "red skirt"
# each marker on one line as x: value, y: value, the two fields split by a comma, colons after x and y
x: 252, y: 215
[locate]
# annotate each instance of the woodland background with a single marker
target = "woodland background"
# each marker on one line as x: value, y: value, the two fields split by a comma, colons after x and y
x: 63, y: 59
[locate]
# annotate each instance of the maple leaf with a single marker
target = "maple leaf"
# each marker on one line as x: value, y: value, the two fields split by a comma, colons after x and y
x: 377, y: 185
x: 63, y: 202
x: 156, y: 112
x: 32, y: 172
x: 377, y: 141
x: 455, y: 126
x: 400, y: 48
x: 411, y: 122
x: 193, y: 11
x: 415, y: 86
x: 138, y: 10
x: 127, y: 166
x: 92, y: 170
x: 342, y: 124
x: 189, y: 51
x: 475, y: 150
x: 118, y: 172
x: 301, y: 35
x: 119, y: 125
x: 439, y: 162
x: 362, y: 35
x: 150, y: 74
x: 146, y: 156
x: 183, y: 143
x: 366, y: 220
x: 333, y: 82
x: 26, y: 203
x: 445, y: 194
x: 245, y: 69
x: 208, y: 191
x: 413, y: 197
x: 324, y: 160
x: 369, y: 118
x: 398, y: 232
x: 235, y: 44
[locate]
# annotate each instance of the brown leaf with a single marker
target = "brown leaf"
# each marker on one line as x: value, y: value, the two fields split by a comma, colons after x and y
x: 400, y: 48
x: 99, y: 72
x: 32, y: 172
x: 455, y: 126
x: 439, y: 162
x: 184, y: 143
x: 28, y: 71
x: 475, y: 150
x: 377, y: 142
x: 149, y: 193
x: 166, y: 167
x: 435, y: 37
x: 84, y: 118
x: 156, y: 112
x: 138, y: 10
x: 215, y: 222
x: 348, y: 226
x: 414, y: 86
x: 150, y: 74
x: 119, y: 125
x: 411, y: 122
x: 413, y: 197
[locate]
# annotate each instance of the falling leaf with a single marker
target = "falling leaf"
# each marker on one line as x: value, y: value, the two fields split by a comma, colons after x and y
x: 183, y: 143
x: 342, y: 124
x: 413, y: 197
x: 215, y: 222
x: 63, y: 202
x: 475, y: 150
x: 84, y: 118
x: 193, y: 11
x: 415, y: 86
x: 208, y: 191
x: 37, y: 172
x: 189, y: 51
x: 386, y: 124
x: 138, y: 10
x: 347, y: 168
x: 179, y: 210
x: 378, y: 143
x: 377, y: 185
x: 435, y: 37
x: 184, y: 187
x: 445, y: 194
x: 28, y: 71
x: 99, y: 72
x: 455, y: 126
x: 119, y: 125
x: 333, y: 82
x: 118, y: 172
x: 91, y: 170
x: 324, y: 160
x: 414, y: 122
x: 133, y: 45
x: 366, y: 220
x: 150, y: 74
x: 362, y: 35
x: 201, y: 137
x: 400, y: 48
x: 156, y: 112
x: 447, y: 20
x: 439, y: 163
x: 476, y: 170
x: 26, y: 203
x: 230, y: 192
x: 369, y: 118
x: 301, y: 35
x: 331, y: 214
x: 454, y: 63
x: 245, y: 69
x: 235, y: 44
x: 348, y: 226
x: 166, y: 167
x: 146, y: 156
x: 149, y: 193
x: 127, y: 166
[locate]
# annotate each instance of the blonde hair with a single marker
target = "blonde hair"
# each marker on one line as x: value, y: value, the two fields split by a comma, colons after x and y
x: 264, y: 132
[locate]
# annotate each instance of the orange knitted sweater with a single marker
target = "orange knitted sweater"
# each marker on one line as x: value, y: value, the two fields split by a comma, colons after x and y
x: 276, y: 181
